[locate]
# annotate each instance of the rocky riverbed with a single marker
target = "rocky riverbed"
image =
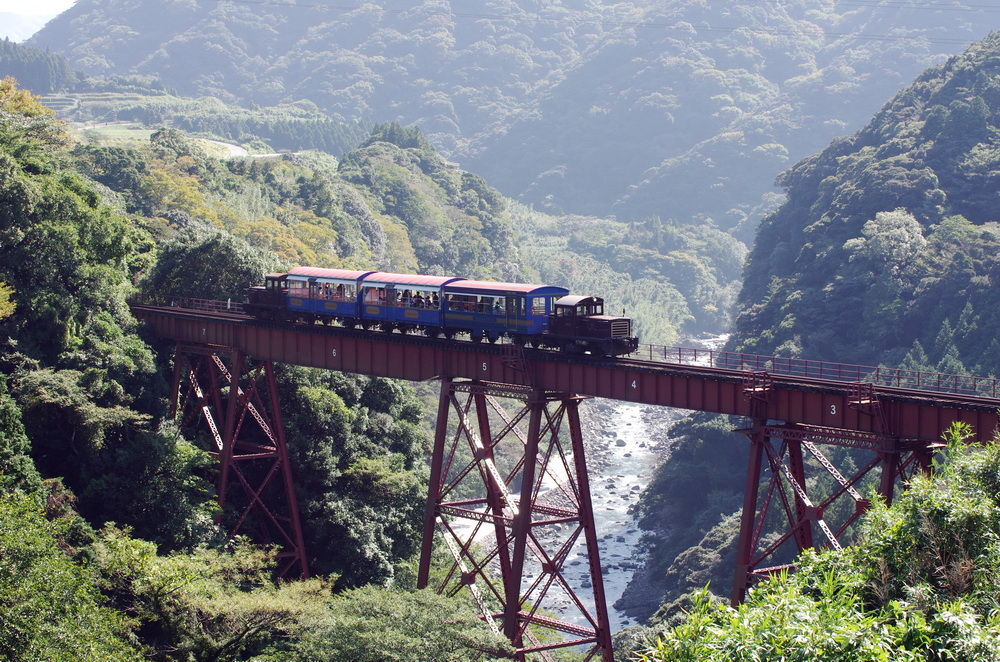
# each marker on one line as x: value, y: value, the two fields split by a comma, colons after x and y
x: 625, y: 442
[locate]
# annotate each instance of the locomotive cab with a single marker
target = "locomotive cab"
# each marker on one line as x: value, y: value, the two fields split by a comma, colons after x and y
x: 582, y: 322
x: 267, y: 301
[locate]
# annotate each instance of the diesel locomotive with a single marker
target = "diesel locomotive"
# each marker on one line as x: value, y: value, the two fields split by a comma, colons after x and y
x: 528, y: 314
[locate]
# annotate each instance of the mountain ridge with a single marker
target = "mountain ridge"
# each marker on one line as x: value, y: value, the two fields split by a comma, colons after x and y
x: 685, y: 112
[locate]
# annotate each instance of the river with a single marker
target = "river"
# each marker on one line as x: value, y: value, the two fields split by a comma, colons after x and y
x: 625, y: 443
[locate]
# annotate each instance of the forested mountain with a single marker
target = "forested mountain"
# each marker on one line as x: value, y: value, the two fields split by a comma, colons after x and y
x: 684, y: 110
x: 673, y: 116
x: 886, y: 252
x: 36, y: 69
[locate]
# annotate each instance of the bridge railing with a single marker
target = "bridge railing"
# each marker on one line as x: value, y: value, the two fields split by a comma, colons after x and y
x: 810, y: 369
x: 190, y: 303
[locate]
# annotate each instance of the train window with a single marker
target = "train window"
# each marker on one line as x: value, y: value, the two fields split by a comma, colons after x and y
x: 538, y: 306
x: 374, y: 294
x: 461, y: 302
x: 298, y: 288
x: 515, y: 306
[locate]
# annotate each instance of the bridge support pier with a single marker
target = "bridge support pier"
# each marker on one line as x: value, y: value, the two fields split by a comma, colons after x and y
x: 513, y: 508
x: 255, y: 485
x: 787, y: 516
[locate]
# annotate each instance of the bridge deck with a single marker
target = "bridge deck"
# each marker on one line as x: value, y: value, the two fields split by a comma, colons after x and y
x: 810, y: 393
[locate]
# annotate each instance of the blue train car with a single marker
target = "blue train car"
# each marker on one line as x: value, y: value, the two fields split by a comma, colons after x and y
x: 323, y: 293
x: 402, y: 301
x: 490, y: 309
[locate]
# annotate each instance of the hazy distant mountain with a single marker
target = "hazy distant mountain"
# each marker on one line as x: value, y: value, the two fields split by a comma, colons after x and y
x: 683, y: 109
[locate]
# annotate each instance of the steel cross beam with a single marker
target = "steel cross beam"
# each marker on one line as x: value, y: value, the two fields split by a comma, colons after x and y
x: 512, y: 505
x: 255, y: 476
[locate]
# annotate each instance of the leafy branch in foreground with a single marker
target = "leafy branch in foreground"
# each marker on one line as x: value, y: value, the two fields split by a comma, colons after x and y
x: 920, y: 584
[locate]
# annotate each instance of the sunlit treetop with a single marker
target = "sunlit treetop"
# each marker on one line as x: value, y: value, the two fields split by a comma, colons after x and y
x: 23, y: 102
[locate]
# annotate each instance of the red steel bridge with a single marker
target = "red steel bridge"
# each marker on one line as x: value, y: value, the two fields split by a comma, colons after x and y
x: 509, y: 489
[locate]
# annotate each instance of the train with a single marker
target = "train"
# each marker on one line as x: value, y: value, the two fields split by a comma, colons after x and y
x: 542, y: 316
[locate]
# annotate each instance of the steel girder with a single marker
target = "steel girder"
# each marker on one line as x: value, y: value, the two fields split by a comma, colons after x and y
x: 509, y: 495
x: 255, y: 486
x: 911, y: 414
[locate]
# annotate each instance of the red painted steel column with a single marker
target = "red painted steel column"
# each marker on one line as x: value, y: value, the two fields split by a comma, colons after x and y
x: 590, y: 533
x: 233, y: 411
x: 744, y: 551
x: 890, y: 469
x: 278, y: 428
x: 434, y: 484
x: 175, y: 381
x: 803, y: 529
x: 493, y: 495
x: 522, y: 523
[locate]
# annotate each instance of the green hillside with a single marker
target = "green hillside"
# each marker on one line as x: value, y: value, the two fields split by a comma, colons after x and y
x: 919, y: 586
x: 109, y: 544
x: 886, y: 250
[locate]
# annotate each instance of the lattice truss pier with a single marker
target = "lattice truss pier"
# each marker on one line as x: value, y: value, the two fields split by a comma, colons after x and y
x: 510, y: 499
x: 796, y: 498
x: 237, y: 401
